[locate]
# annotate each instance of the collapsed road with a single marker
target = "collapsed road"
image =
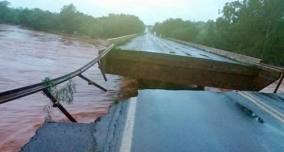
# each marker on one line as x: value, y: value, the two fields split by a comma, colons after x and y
x: 161, y: 63
x: 161, y: 120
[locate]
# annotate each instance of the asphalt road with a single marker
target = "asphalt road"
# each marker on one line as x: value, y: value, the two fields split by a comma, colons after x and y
x: 151, y: 43
x: 199, y: 121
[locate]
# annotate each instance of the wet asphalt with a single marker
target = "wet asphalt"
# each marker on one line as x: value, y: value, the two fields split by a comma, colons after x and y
x: 200, y: 121
x: 151, y: 43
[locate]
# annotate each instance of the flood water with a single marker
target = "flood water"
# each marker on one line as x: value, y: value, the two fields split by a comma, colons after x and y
x: 27, y: 57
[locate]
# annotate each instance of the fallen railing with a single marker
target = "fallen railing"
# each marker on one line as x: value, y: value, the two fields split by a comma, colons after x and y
x: 31, y: 89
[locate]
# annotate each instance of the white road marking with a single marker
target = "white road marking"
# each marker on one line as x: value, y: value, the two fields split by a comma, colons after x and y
x: 276, y: 114
x: 129, y: 127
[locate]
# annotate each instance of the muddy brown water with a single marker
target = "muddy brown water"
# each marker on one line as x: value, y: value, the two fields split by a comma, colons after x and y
x: 27, y: 57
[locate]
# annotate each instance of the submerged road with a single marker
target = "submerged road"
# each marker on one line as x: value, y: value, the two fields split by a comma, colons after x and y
x: 151, y: 43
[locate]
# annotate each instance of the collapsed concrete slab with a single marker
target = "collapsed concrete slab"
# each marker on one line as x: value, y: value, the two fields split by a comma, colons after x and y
x: 186, y: 70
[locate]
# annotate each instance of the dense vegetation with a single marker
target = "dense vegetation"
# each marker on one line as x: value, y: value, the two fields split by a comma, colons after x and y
x: 251, y: 27
x: 71, y: 21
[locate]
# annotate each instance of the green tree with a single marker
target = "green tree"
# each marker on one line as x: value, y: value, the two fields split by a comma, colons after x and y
x: 71, y: 21
x: 251, y: 27
x: 4, y: 11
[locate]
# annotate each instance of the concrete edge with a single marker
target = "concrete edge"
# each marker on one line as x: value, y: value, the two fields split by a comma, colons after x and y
x: 109, y: 128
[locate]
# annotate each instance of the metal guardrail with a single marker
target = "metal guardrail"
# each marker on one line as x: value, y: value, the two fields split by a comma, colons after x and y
x: 31, y: 89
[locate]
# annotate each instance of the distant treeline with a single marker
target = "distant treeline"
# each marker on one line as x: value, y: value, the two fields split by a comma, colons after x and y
x: 251, y: 27
x: 71, y: 21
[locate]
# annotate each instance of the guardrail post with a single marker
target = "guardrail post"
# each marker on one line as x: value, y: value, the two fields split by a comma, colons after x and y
x: 280, y: 82
x: 90, y: 82
x: 100, y: 66
x: 58, y: 105
x: 102, y: 71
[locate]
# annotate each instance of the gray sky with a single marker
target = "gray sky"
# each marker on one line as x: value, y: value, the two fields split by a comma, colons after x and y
x: 150, y: 11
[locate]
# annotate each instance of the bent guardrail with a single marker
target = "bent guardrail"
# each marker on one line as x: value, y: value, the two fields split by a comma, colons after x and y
x: 10, y: 95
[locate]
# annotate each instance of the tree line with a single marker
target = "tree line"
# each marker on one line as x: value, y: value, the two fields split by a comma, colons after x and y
x: 250, y: 27
x: 70, y: 20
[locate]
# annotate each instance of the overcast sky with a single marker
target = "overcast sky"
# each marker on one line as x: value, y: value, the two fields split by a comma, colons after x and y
x: 150, y: 11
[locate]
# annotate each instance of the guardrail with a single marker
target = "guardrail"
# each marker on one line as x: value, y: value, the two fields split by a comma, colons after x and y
x: 31, y: 89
